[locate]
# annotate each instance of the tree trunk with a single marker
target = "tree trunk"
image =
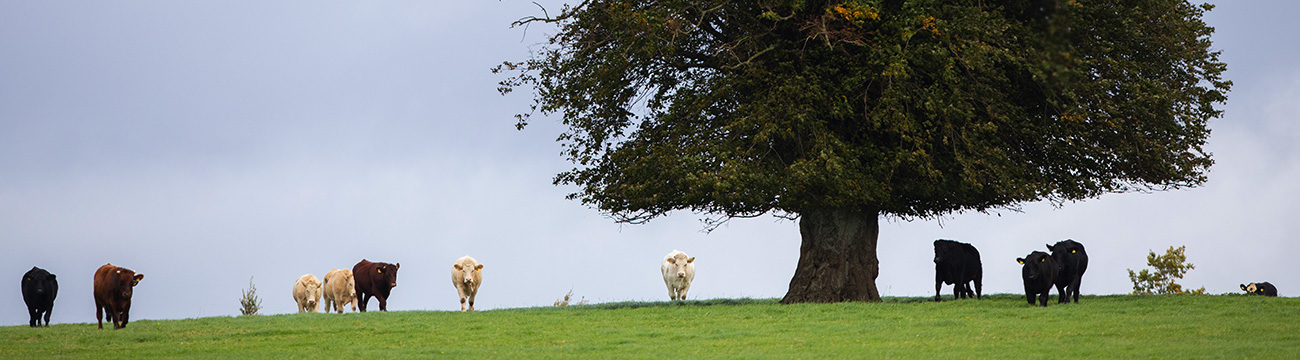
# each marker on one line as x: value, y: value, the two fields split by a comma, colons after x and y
x: 837, y: 261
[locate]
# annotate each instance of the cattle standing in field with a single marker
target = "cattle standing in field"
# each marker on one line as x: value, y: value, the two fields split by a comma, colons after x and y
x: 306, y: 292
x: 1039, y: 273
x: 1263, y: 288
x: 339, y: 290
x: 678, y: 270
x: 39, y: 289
x: 113, y: 288
x: 374, y: 279
x: 467, y: 275
x: 1071, y: 261
x: 958, y: 264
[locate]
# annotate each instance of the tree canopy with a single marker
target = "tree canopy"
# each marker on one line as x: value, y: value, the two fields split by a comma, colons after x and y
x: 907, y: 108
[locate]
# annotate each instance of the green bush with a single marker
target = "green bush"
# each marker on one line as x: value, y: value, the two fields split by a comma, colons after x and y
x: 1169, y: 267
x: 249, y: 304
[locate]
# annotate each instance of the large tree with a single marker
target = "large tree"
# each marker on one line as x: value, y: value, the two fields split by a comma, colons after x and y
x: 839, y: 112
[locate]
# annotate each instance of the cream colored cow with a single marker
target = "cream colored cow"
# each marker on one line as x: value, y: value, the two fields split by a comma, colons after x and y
x: 306, y: 292
x: 467, y: 275
x: 340, y: 290
x: 678, y: 270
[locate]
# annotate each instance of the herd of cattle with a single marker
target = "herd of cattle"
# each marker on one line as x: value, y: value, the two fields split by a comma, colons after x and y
x: 955, y: 263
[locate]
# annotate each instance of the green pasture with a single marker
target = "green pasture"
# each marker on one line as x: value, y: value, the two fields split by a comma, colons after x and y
x: 996, y: 327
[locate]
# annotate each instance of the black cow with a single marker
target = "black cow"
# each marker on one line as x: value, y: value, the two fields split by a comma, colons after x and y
x: 1071, y: 261
x: 1039, y: 273
x: 1263, y: 288
x: 958, y: 264
x: 39, y: 289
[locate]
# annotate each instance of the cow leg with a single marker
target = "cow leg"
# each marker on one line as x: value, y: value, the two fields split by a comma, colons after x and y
x: 460, y: 290
x: 121, y: 318
x: 471, y: 302
x: 1074, y: 288
x: 34, y: 315
x: 383, y: 302
x: 99, y: 314
x: 1029, y: 295
x: 682, y: 293
x: 47, y: 316
x: 362, y: 299
x: 1062, y: 293
x: 1042, y: 298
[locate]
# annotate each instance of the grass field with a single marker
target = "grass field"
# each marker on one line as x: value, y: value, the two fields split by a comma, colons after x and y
x: 999, y: 326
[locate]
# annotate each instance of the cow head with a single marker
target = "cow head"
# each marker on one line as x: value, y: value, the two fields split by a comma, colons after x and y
x: 467, y: 272
x: 387, y: 273
x: 313, y: 292
x: 126, y: 280
x: 352, y: 284
x: 1035, y: 265
x: 679, y: 263
x: 38, y: 281
x: 940, y: 250
x: 1253, y: 288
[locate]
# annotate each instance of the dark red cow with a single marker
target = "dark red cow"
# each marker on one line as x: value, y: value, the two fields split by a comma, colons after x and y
x: 374, y: 279
x: 113, y: 287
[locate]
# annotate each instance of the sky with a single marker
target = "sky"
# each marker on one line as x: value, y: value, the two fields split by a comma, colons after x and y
x: 208, y: 144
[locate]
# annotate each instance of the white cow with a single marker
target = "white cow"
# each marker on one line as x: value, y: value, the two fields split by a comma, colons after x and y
x: 679, y: 270
x: 340, y: 290
x: 467, y: 275
x: 306, y: 292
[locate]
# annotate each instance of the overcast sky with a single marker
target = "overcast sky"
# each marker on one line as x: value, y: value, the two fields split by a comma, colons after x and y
x: 202, y: 144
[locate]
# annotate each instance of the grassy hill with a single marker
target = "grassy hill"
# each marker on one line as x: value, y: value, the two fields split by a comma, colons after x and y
x: 1000, y: 326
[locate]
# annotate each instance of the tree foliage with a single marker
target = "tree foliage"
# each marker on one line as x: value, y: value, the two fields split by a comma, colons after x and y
x: 249, y: 303
x: 907, y: 108
x: 1169, y: 267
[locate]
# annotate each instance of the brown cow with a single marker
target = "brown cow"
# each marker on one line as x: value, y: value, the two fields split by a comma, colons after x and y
x: 113, y: 287
x: 374, y: 279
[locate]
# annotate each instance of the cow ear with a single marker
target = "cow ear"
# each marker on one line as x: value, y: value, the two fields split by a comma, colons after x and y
x: 1049, y: 247
x: 691, y: 260
x: 672, y: 260
x: 397, y: 266
x: 479, y: 267
x: 380, y: 270
x: 1243, y: 286
x: 457, y: 266
x: 1074, y: 251
x: 51, y: 277
x: 1042, y: 259
x: 1020, y: 260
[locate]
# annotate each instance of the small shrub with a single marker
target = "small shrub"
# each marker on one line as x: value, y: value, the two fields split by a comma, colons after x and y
x: 1169, y: 267
x: 250, y: 303
x: 567, y: 298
